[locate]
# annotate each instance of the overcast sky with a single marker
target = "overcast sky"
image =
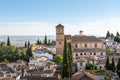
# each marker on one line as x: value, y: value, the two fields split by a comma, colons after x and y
x: 39, y: 17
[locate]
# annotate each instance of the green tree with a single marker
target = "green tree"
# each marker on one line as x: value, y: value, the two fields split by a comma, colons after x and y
x: 107, y: 63
x: 65, y: 62
x: 8, y: 41
x: 49, y: 42
x: 28, y: 44
x: 67, y: 69
x: 70, y: 59
x: 117, y: 34
x: 113, y: 65
x: 112, y: 35
x: 2, y: 44
x: 90, y: 66
x: 28, y: 54
x: 118, y: 68
x: 108, y: 34
x: 58, y: 59
x: 38, y: 41
x: 25, y: 44
x: 45, y: 40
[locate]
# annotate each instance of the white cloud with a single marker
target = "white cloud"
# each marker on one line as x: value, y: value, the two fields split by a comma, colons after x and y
x: 29, y: 28
x: 98, y: 28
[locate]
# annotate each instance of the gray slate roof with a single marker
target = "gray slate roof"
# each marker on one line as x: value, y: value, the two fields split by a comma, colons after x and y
x: 85, y: 39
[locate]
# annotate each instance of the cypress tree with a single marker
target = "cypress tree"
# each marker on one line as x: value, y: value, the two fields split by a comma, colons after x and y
x: 70, y: 58
x: 49, y: 42
x: 28, y: 53
x: 118, y: 68
x: 64, y: 66
x: 107, y: 63
x: 8, y: 41
x: 108, y: 34
x: 45, y: 41
x: 67, y: 61
x: 113, y: 65
x: 117, y: 34
x: 112, y: 35
x: 28, y: 44
x: 25, y: 44
x: 38, y: 41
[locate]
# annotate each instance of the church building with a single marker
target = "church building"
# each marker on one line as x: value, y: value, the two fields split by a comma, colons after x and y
x: 82, y: 45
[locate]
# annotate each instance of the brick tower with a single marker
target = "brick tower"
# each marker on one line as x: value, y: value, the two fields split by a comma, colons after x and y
x: 59, y: 39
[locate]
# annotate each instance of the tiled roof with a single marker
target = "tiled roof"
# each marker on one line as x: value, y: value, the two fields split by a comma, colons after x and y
x: 85, y: 58
x: 81, y: 60
x: 100, y: 62
x: 39, y: 78
x: 111, y: 54
x: 59, y: 25
x: 89, y: 50
x: 40, y: 71
x: 99, y: 73
x: 43, y: 72
x: 50, y: 63
x: 82, y: 75
x: 68, y: 37
x: 85, y: 39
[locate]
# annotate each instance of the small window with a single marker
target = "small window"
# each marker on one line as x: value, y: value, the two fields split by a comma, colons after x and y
x: 75, y: 45
x: 84, y: 53
x: 80, y: 64
x: 59, y: 42
x: 95, y: 45
x: 14, y: 66
x: 85, y: 45
x: 90, y: 53
x: 76, y: 54
x: 81, y: 54
x: 94, y: 53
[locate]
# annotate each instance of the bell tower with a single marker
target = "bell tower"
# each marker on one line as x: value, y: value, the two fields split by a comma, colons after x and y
x: 59, y: 39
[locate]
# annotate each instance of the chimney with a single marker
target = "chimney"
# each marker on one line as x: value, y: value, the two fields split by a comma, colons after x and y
x: 81, y: 32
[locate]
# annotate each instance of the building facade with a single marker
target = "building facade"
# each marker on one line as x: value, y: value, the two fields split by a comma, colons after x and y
x: 82, y: 45
x: 59, y: 39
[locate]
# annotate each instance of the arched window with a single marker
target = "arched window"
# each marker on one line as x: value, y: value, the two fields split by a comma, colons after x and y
x: 75, y: 45
x: 95, y: 45
x: 94, y: 53
x: 84, y: 53
x: 76, y: 54
x: 85, y: 45
x: 81, y: 54
x: 90, y: 53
